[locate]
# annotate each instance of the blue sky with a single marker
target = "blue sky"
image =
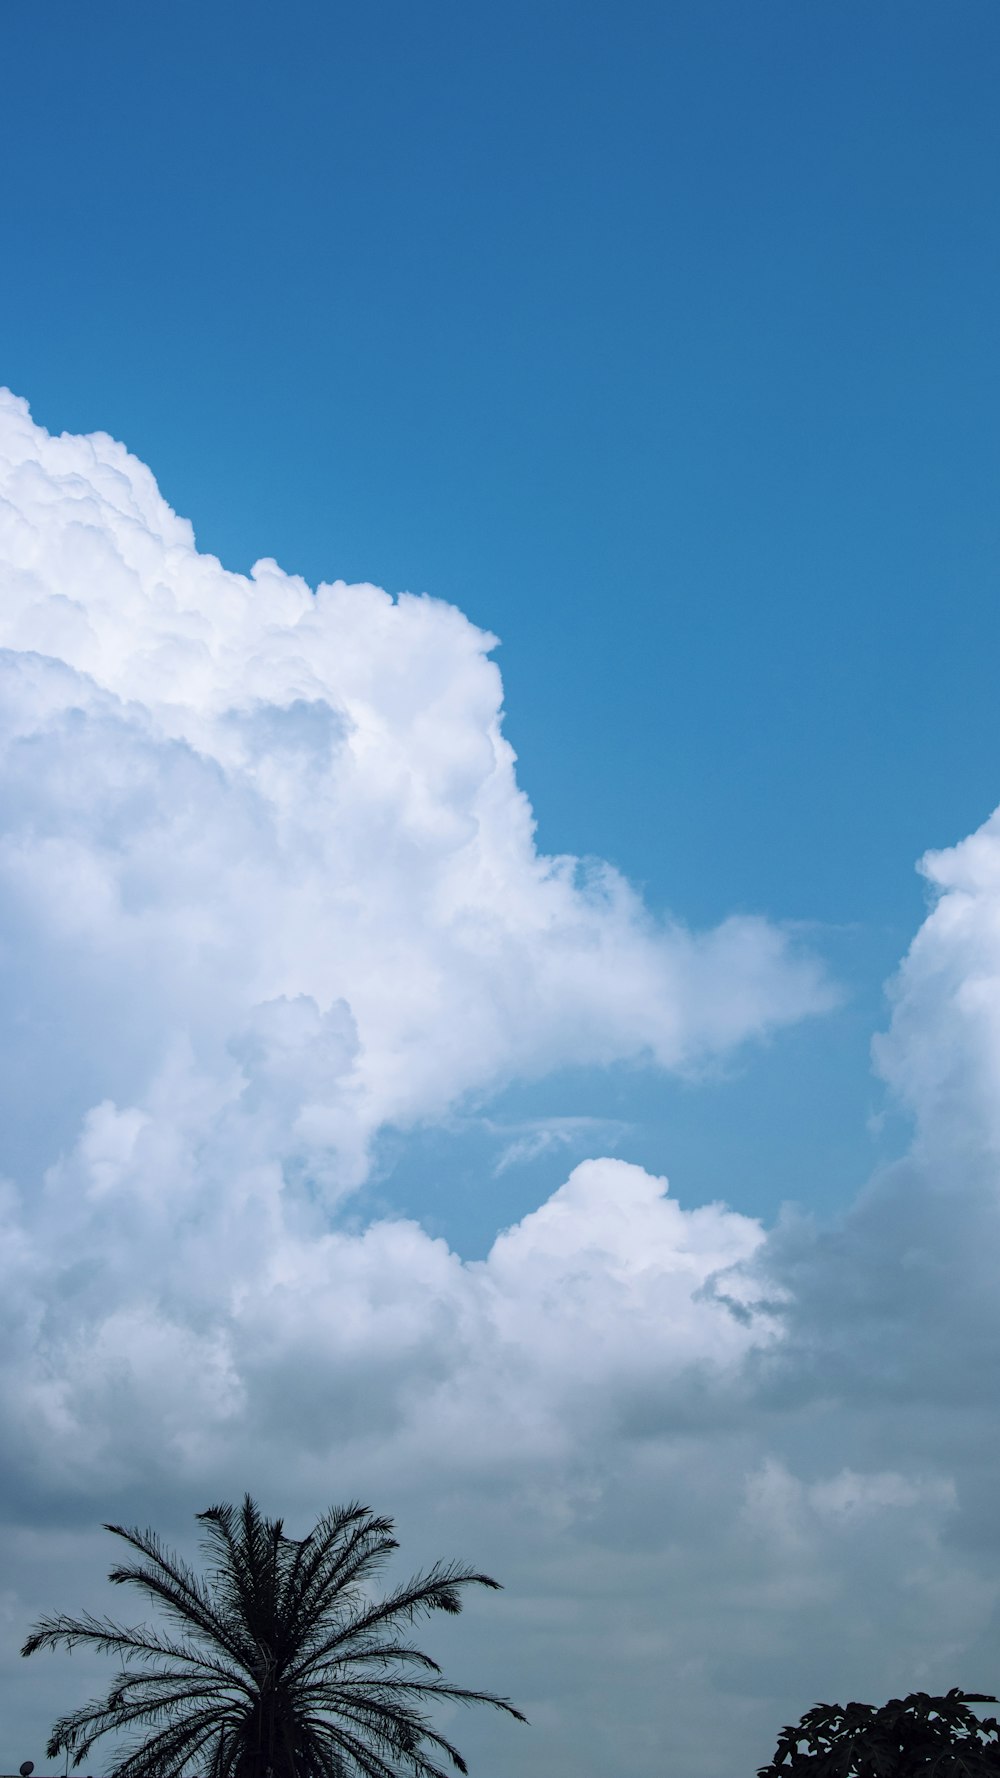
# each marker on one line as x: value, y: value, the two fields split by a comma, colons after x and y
x: 661, y: 342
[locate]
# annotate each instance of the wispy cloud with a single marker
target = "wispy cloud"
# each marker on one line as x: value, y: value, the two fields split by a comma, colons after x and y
x: 531, y: 1138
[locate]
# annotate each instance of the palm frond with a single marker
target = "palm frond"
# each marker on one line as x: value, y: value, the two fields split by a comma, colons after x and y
x: 437, y: 1590
x: 368, y: 1759
x: 386, y: 1653
x: 348, y: 1543
x: 128, y: 1642
x: 170, y: 1583
x: 312, y: 1552
x: 87, y: 1725
x: 166, y: 1754
x: 429, y: 1688
x: 399, y: 1727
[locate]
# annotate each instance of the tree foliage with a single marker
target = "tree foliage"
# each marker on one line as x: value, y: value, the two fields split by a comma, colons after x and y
x: 914, y: 1737
x: 275, y: 1663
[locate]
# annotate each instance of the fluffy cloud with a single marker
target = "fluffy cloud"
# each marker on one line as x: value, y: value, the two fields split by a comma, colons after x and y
x: 268, y: 885
x: 242, y: 793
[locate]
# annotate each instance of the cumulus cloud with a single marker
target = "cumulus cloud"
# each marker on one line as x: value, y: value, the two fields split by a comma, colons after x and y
x: 242, y: 792
x: 267, y: 886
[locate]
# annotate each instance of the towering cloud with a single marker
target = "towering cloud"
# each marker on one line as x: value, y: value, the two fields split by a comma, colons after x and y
x: 277, y: 833
x: 268, y: 884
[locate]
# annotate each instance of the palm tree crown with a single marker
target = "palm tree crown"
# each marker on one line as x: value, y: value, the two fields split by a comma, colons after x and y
x: 276, y: 1663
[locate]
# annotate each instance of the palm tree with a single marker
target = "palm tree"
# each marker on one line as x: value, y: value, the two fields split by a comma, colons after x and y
x: 276, y: 1663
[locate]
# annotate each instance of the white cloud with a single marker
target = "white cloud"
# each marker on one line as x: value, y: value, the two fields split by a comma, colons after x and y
x: 942, y: 1054
x: 239, y: 791
x: 267, y: 883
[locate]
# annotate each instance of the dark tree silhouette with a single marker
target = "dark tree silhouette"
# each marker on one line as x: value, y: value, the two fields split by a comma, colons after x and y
x: 913, y: 1737
x: 275, y: 1661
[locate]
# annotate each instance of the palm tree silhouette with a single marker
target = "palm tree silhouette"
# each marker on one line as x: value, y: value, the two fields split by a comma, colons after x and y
x: 276, y: 1663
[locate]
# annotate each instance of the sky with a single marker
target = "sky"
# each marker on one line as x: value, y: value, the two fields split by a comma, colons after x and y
x: 498, y: 633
